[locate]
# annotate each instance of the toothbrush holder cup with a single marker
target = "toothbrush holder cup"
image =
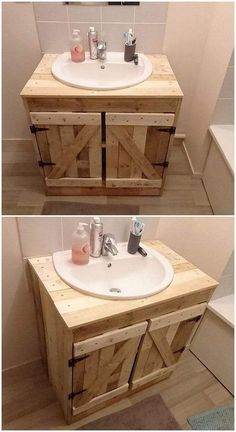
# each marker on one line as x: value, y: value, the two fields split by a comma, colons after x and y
x: 129, y: 52
x: 133, y: 243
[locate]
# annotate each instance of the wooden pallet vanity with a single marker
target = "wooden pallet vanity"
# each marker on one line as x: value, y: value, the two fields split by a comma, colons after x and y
x: 98, y: 351
x: 112, y: 142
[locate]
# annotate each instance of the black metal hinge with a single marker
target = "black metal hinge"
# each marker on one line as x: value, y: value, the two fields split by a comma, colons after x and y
x: 171, y: 130
x: 73, y: 361
x: 163, y: 164
x: 41, y: 163
x: 73, y: 394
x: 34, y: 129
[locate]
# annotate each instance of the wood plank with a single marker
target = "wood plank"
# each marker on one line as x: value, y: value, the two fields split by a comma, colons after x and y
x: 163, y: 347
x: 74, y: 182
x: 79, y: 143
x: 142, y: 119
x: 109, y: 338
x: 95, y: 155
x: 124, y: 160
x: 128, y: 362
x: 100, y: 104
x: 110, y: 368
x: 101, y: 398
x: 67, y: 138
x: 106, y: 355
x: 54, y: 142
x: 65, y: 118
x: 177, y: 316
x: 102, y: 191
x: 139, y: 136
x: 43, y: 152
x: 182, y: 335
x: 132, y: 183
x: 129, y: 145
x: 154, y: 376
x: 142, y: 357
x: 112, y: 154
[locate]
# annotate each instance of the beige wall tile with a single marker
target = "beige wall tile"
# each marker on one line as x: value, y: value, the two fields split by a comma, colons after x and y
x: 122, y: 14
x: 224, y: 112
x: 54, y: 37
x: 227, y: 89
x: 50, y: 11
x: 114, y: 35
x: 84, y: 13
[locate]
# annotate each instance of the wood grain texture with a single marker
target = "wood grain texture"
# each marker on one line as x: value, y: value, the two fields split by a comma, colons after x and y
x: 162, y: 82
x: 189, y: 287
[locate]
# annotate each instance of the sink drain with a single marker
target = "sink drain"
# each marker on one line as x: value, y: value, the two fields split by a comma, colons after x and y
x: 115, y: 290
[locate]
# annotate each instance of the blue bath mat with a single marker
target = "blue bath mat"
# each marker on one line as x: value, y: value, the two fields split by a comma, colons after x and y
x: 221, y: 418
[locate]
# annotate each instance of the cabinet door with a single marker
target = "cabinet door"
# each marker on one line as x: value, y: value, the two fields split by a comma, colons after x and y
x: 70, y: 148
x: 137, y: 149
x: 102, y: 366
x: 163, y: 344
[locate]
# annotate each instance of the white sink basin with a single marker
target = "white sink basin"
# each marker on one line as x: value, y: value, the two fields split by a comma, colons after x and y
x: 120, y: 277
x: 90, y: 74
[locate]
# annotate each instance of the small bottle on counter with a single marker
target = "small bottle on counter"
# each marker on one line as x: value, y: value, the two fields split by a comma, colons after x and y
x: 80, y: 245
x: 93, y: 43
x: 76, y: 47
x: 96, y: 237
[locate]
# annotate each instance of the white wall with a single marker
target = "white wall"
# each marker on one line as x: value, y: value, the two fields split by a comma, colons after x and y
x: 20, y: 339
x: 21, y: 54
x: 224, y: 109
x: 186, y: 33
x: 216, y: 56
x: 207, y: 242
x: 226, y: 285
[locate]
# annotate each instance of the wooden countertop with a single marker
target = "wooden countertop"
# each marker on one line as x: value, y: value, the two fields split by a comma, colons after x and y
x: 77, y: 309
x: 161, y: 84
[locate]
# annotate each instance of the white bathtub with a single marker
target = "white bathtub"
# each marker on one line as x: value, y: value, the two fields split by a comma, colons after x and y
x: 213, y: 342
x: 218, y: 176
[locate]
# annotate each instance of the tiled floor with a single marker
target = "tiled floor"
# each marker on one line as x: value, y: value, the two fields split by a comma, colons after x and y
x: 29, y: 401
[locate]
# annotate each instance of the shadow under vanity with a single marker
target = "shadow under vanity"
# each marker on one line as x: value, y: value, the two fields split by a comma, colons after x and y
x: 97, y: 350
x: 103, y: 142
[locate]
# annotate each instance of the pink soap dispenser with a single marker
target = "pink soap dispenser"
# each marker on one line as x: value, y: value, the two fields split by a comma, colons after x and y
x: 80, y: 245
x: 76, y: 47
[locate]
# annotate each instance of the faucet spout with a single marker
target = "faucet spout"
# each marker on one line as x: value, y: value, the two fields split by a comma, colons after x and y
x: 109, y: 245
x: 102, y: 50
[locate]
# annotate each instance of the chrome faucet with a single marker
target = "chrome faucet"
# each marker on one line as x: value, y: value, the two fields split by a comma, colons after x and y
x: 109, y: 245
x: 102, y: 50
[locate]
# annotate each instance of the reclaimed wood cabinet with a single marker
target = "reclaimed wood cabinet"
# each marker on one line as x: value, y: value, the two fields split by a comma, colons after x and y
x: 98, y: 351
x: 115, y: 142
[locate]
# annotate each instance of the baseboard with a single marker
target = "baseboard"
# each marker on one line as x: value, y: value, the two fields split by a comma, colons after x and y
x: 22, y: 366
x: 195, y: 174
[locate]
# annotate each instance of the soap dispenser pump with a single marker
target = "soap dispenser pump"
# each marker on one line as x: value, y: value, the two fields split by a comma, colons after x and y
x: 80, y: 245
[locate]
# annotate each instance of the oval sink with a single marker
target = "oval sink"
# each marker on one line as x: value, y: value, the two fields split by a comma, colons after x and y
x: 113, y: 73
x: 120, y: 277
